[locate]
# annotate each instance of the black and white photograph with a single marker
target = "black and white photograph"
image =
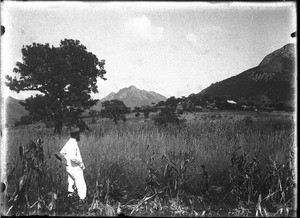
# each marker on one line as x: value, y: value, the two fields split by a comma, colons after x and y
x: 144, y: 108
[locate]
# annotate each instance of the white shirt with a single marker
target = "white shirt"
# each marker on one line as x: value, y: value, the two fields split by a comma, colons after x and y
x: 71, y: 153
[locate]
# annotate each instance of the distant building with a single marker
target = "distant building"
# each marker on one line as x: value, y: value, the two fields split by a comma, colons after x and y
x: 181, y: 105
x: 249, y: 108
x: 244, y: 107
x: 198, y: 107
x: 160, y: 107
x: 231, y: 102
x: 210, y: 107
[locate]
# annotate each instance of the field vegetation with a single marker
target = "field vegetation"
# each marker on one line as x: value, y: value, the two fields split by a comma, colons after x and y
x: 214, y: 164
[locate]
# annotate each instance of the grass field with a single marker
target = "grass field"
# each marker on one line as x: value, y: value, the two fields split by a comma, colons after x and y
x: 137, y: 154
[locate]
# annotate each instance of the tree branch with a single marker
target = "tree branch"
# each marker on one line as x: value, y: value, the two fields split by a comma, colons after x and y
x: 34, y: 89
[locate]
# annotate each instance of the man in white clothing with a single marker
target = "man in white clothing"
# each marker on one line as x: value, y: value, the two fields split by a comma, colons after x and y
x: 75, y: 166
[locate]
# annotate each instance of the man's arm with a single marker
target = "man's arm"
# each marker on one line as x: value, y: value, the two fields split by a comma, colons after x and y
x: 78, y: 162
x: 75, y: 158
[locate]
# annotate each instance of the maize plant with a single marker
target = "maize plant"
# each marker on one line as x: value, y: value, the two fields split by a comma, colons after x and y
x: 32, y: 160
x: 97, y: 207
x: 31, y: 186
x: 175, y: 175
x: 245, y: 176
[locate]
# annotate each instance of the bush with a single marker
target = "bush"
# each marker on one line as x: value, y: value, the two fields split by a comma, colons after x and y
x: 146, y: 114
x: 248, y: 120
x: 167, y: 116
x: 180, y: 112
x: 94, y: 114
x: 26, y: 120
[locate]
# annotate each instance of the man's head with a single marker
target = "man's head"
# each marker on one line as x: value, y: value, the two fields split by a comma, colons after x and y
x: 75, y: 133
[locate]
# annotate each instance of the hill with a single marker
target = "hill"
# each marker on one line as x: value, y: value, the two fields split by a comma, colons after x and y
x: 272, y: 79
x: 132, y: 96
x: 14, y: 111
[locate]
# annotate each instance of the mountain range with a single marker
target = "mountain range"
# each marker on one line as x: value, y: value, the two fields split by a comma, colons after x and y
x: 272, y: 79
x: 131, y: 96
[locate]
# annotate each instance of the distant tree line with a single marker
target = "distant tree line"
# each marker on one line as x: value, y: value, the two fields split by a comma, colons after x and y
x: 172, y: 107
x: 198, y: 102
x: 116, y: 110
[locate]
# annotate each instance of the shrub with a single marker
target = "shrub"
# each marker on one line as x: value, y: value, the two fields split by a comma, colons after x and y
x: 180, y: 112
x: 26, y: 120
x: 248, y: 120
x: 146, y: 114
x: 167, y: 116
x: 94, y: 114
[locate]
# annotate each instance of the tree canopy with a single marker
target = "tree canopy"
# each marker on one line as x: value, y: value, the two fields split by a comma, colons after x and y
x: 146, y: 109
x: 65, y: 76
x: 115, y: 109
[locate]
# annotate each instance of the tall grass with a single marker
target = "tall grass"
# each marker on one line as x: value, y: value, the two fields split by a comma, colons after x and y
x: 121, y: 152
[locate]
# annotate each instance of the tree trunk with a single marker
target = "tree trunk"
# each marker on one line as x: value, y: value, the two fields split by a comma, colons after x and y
x: 58, y: 127
x: 146, y: 114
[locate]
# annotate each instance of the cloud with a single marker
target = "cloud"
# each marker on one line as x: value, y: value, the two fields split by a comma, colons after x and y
x: 192, y: 38
x: 211, y: 39
x: 22, y: 32
x: 237, y: 48
x: 142, y: 28
x: 215, y: 34
x: 197, y: 44
x: 213, y: 30
x: 140, y: 61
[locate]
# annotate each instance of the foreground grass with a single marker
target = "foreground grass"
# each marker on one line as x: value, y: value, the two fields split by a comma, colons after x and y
x: 130, y: 153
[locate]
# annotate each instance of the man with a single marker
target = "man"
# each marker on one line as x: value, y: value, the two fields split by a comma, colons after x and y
x: 75, y: 166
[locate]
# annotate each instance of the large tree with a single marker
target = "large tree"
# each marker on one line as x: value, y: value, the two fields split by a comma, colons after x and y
x: 115, y: 109
x: 65, y: 76
x: 146, y: 109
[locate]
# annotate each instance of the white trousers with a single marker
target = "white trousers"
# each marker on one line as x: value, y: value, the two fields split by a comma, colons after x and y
x: 75, y: 176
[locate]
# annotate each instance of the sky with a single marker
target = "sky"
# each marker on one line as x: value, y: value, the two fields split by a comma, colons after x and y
x: 172, y: 48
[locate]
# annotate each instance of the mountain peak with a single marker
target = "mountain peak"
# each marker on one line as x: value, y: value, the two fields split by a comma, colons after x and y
x: 132, y: 96
x: 132, y: 87
x: 287, y: 51
x: 111, y: 94
x: 273, y: 78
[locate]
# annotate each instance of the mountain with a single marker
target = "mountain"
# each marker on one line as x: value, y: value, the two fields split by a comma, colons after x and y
x: 132, y: 97
x: 272, y: 79
x: 14, y: 111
